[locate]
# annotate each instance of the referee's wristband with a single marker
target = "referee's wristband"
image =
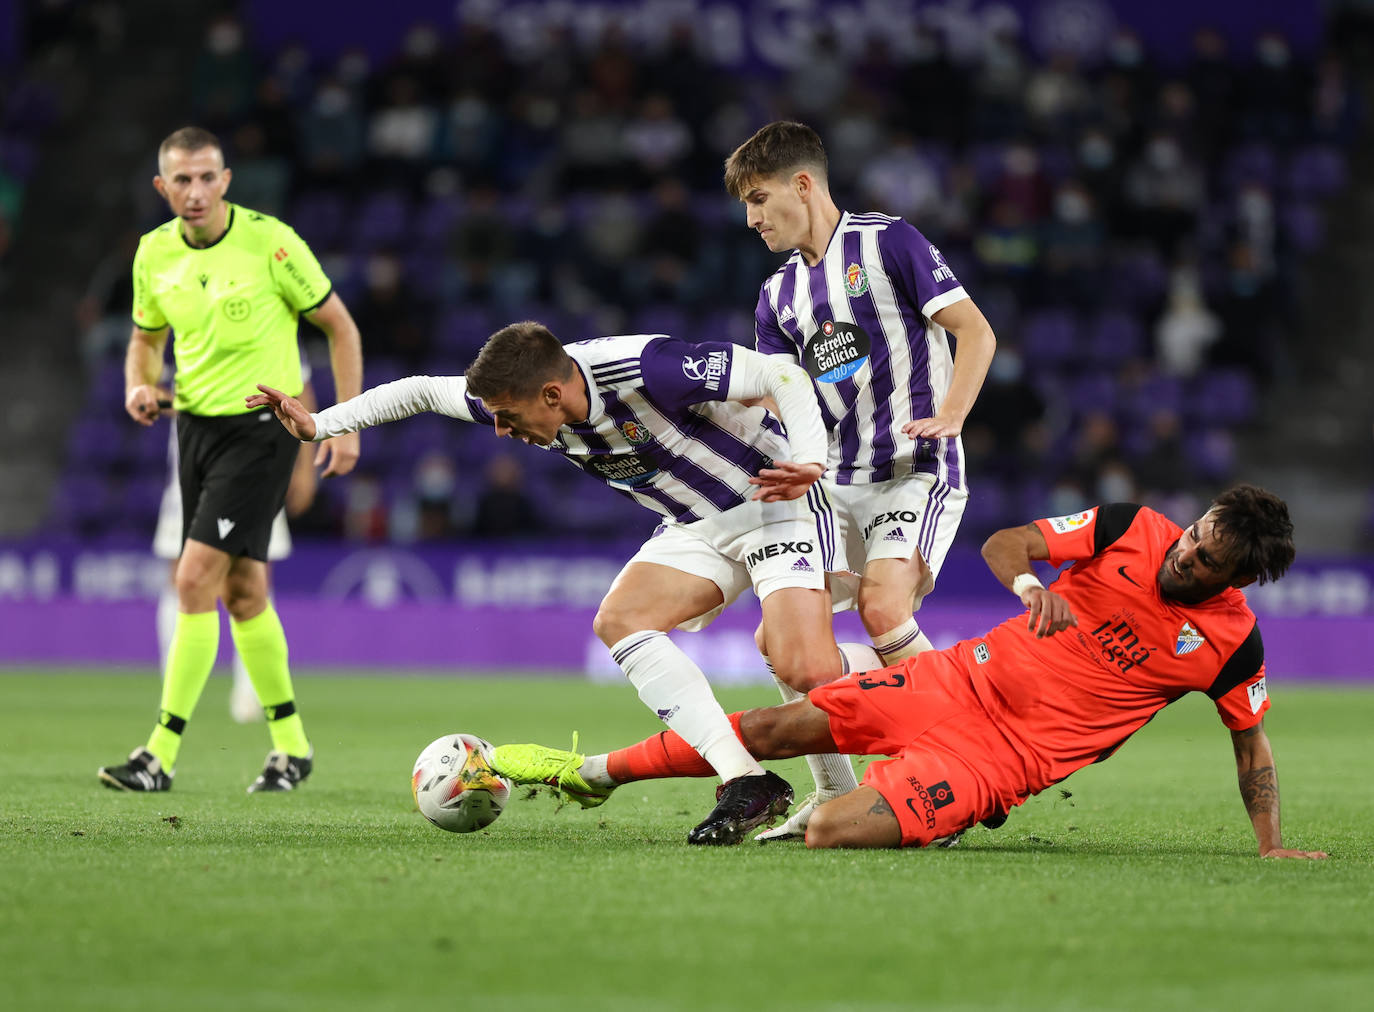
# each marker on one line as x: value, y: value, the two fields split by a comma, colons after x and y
x: 1025, y: 582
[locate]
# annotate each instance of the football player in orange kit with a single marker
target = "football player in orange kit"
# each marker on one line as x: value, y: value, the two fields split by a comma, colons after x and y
x: 1147, y: 613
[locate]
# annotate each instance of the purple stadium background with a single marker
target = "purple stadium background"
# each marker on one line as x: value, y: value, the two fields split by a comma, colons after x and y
x: 455, y: 609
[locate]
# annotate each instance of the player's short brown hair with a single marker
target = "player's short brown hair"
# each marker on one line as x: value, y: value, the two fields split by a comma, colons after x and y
x: 781, y: 148
x: 188, y: 138
x: 517, y: 361
x: 1254, y: 526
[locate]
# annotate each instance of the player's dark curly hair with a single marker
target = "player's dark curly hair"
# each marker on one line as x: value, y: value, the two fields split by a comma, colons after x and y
x: 1254, y: 526
x: 782, y: 147
x: 517, y: 361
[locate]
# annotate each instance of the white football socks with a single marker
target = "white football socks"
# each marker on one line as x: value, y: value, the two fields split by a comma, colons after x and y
x: 677, y: 691
x: 905, y: 641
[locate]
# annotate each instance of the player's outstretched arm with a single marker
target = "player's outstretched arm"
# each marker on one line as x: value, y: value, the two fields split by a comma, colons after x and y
x: 339, y: 454
x: 786, y: 384
x: 1259, y: 789
x: 289, y: 411
x: 977, y: 343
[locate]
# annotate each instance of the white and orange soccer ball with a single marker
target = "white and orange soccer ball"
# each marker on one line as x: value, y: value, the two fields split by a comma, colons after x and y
x: 454, y: 785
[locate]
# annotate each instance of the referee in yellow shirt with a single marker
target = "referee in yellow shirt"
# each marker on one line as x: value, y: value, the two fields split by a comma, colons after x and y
x: 231, y: 284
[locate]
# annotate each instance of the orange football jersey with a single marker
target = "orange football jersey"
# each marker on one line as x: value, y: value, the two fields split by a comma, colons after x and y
x: 1072, y: 698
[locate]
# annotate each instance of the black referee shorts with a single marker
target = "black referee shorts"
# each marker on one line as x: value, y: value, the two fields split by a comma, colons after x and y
x: 234, y: 472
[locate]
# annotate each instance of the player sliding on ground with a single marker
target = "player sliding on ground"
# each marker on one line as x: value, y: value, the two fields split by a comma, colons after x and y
x: 1147, y: 613
x: 666, y: 423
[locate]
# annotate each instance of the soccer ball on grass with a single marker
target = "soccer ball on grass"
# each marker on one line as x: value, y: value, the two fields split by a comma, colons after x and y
x: 454, y: 785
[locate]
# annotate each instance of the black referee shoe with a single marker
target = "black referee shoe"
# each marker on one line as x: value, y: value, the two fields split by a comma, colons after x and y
x: 742, y: 804
x: 282, y: 772
x: 143, y: 772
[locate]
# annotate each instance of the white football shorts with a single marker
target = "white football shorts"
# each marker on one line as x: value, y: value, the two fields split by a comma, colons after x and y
x: 892, y: 520
x: 769, y: 546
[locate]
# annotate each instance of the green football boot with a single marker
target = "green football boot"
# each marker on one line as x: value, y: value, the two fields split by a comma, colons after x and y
x: 537, y: 765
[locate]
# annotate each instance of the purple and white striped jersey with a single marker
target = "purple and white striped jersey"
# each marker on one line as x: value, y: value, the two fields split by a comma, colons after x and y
x: 659, y: 427
x: 859, y: 323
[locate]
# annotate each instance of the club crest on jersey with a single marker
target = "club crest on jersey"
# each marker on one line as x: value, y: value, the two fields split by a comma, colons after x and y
x: 635, y: 433
x: 836, y: 352
x: 1189, y: 639
x: 941, y: 271
x: 1071, y: 522
x: 855, y: 281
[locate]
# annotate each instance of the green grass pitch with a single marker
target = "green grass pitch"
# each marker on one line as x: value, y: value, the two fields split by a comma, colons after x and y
x: 1139, y: 891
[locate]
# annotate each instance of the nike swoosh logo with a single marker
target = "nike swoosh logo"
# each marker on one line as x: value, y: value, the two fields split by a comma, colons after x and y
x: 1122, y: 571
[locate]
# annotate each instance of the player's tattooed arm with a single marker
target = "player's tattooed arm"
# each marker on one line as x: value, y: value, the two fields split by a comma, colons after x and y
x: 881, y: 807
x: 1259, y: 790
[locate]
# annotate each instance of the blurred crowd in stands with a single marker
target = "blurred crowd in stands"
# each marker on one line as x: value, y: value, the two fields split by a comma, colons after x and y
x: 1133, y: 230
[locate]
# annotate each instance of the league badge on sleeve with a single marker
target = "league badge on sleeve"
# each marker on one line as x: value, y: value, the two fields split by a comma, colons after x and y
x: 1071, y: 522
x: 1258, y: 694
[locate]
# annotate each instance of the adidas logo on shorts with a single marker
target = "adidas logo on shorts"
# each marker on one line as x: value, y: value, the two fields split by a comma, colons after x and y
x: 802, y: 566
x: 895, y: 535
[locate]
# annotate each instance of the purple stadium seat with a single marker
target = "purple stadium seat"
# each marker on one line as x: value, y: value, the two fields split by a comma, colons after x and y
x: 382, y: 220
x: 1094, y: 391
x: 464, y: 329
x: 734, y: 325
x: 1255, y: 162
x: 662, y: 319
x: 319, y: 218
x: 1115, y: 337
x: 987, y: 161
x: 1156, y: 393
x: 1316, y: 171
x: 1049, y: 338
x: 82, y: 502
x: 1223, y: 397
x: 1213, y: 454
x: 435, y: 219
x: 1058, y: 162
x: 988, y: 504
x: 1304, y: 224
x: 1138, y: 278
x: 141, y: 497
x: 18, y: 155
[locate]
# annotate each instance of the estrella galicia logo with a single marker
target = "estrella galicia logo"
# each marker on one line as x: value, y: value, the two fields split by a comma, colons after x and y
x: 836, y: 352
x: 628, y: 470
